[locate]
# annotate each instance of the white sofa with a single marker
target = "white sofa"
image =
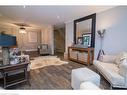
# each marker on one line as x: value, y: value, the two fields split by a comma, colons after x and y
x: 114, y: 73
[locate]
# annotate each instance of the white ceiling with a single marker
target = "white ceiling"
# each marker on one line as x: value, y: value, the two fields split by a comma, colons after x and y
x: 39, y: 15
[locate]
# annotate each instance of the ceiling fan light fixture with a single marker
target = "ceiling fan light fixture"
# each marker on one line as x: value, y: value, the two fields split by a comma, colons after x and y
x: 22, y: 30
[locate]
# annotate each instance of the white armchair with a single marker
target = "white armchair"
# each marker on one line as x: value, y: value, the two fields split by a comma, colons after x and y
x: 43, y: 49
x: 114, y: 73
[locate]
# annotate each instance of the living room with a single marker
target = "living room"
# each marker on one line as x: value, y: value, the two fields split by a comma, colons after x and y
x: 35, y: 31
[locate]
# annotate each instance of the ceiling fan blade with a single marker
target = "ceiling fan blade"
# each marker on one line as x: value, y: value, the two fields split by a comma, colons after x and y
x: 22, y: 24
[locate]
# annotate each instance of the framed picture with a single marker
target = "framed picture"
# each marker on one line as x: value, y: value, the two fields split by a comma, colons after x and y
x: 86, y: 39
x: 79, y: 40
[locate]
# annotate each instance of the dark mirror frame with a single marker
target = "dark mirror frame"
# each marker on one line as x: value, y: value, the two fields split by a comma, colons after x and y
x: 93, y: 28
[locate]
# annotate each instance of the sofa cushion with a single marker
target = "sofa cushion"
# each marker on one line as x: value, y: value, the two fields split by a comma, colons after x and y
x: 110, y: 72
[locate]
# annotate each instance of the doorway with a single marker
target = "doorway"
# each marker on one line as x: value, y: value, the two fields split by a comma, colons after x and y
x: 59, y: 41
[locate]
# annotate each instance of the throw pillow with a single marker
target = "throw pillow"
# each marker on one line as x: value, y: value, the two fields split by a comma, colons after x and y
x: 120, y: 57
x: 108, y: 58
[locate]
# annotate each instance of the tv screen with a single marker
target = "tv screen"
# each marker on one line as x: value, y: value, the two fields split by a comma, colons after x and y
x: 7, y: 40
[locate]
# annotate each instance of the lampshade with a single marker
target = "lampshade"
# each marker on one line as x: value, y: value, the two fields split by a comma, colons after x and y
x: 22, y: 30
x: 101, y: 33
x: 7, y: 40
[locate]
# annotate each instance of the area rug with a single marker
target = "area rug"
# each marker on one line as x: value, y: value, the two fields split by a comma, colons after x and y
x: 42, y: 61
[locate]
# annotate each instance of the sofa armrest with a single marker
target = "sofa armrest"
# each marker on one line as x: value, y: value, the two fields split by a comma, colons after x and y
x: 108, y: 58
x: 123, y: 70
x: 97, y: 61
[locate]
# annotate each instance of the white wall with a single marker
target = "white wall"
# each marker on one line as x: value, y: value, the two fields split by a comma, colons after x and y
x: 69, y: 35
x: 115, y: 22
x: 47, y: 37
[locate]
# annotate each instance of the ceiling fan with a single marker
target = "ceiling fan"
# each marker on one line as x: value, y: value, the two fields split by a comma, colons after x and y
x: 22, y: 24
x: 22, y: 27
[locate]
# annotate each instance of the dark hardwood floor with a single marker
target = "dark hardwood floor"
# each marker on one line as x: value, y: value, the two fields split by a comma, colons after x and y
x: 54, y: 77
x: 50, y: 77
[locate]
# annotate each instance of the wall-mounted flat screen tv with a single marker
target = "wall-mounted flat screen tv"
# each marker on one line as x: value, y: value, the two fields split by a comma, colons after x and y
x: 7, y: 40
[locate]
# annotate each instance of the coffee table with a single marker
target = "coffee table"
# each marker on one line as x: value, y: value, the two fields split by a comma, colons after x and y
x: 6, y: 71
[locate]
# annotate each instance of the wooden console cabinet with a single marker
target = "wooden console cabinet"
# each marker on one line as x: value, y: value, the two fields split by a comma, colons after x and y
x: 81, y: 55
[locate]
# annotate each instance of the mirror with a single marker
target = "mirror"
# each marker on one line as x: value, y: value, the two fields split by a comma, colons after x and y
x: 84, y: 31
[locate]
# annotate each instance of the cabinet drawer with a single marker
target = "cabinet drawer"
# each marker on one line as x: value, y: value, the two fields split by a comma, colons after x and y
x: 82, y: 56
x: 73, y: 54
